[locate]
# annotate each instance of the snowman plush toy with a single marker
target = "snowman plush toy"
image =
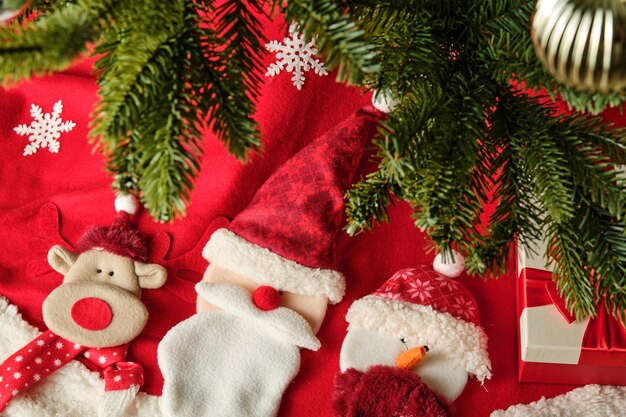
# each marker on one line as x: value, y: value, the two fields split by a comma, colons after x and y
x: 411, y: 346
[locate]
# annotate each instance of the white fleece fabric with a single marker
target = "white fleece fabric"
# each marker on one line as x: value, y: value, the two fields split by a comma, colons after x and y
x: 234, y: 362
x: 588, y: 401
x: 425, y: 326
x: 230, y: 251
x: 72, y: 391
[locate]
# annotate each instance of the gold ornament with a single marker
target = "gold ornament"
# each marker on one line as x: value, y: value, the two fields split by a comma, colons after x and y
x: 11, y: 8
x: 582, y: 43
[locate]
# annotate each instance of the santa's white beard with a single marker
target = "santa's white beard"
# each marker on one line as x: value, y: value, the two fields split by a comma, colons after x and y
x: 233, y: 362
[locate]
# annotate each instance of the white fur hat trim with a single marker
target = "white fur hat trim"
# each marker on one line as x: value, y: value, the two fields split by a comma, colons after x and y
x: 424, y: 325
x: 230, y: 251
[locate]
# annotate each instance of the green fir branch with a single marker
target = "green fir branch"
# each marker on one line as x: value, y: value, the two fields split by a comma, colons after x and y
x: 231, y: 99
x: 46, y: 45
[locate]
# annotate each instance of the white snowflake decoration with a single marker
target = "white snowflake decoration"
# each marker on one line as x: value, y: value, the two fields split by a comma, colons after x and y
x: 296, y: 55
x: 45, y: 130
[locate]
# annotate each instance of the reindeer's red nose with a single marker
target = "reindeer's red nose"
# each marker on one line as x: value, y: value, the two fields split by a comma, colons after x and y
x: 92, y: 313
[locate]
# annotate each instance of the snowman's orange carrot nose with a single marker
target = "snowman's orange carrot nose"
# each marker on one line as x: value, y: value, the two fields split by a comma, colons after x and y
x: 409, y: 359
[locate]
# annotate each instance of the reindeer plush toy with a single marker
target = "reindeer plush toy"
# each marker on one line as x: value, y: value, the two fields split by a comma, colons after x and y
x: 94, y: 313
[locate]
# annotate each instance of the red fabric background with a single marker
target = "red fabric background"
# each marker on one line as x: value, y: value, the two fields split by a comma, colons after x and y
x: 74, y: 180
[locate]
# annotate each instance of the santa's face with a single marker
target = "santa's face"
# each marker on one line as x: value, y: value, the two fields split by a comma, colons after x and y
x: 363, y: 348
x: 312, y: 308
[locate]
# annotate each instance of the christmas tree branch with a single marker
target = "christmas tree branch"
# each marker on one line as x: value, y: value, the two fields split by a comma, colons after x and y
x: 367, y: 202
x: 231, y: 97
x: 595, y: 223
x: 46, y: 45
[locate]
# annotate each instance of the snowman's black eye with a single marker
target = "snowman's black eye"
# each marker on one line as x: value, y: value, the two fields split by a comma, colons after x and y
x: 99, y: 270
x: 404, y: 343
x: 111, y: 273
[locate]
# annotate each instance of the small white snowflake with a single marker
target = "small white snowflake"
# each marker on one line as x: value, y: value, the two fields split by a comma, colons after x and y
x: 38, y: 361
x: 57, y: 362
x: 297, y: 55
x: 14, y: 392
x: 19, y: 358
x: 76, y: 346
x: 464, y: 308
x: 59, y: 345
x: 36, y: 377
x: 391, y: 295
x: 40, y: 343
x: 117, y: 378
x: 17, y: 375
x: 87, y: 355
x: 420, y: 289
x: 102, y: 359
x: 45, y: 130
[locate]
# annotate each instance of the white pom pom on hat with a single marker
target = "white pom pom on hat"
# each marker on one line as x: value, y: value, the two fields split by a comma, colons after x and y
x: 384, y: 101
x: 447, y: 267
x: 126, y: 203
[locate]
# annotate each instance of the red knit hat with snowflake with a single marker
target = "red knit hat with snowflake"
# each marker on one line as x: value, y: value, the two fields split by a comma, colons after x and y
x: 285, y: 238
x: 429, y: 309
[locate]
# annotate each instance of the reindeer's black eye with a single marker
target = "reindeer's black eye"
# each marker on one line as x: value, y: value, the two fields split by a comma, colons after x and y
x: 99, y: 270
x: 111, y: 273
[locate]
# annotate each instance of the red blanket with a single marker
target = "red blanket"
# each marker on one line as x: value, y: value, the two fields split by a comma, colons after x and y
x: 74, y: 180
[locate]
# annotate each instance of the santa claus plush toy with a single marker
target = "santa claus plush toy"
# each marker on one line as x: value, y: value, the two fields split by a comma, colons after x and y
x: 411, y: 346
x: 264, y: 295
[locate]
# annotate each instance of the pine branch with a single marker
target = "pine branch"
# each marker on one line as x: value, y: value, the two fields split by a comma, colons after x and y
x: 231, y: 99
x: 141, y: 84
x: 570, y: 271
x: 48, y: 44
x: 514, y: 220
x: 133, y: 66
x: 607, y: 238
x: 410, y: 57
x: 367, y: 202
x: 586, y: 277
x: 544, y: 159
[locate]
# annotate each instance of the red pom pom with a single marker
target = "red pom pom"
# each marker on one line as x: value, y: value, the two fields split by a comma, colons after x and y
x: 266, y: 298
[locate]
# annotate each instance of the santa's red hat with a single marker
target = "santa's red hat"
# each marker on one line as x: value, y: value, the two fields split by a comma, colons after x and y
x: 285, y: 238
x: 430, y: 309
